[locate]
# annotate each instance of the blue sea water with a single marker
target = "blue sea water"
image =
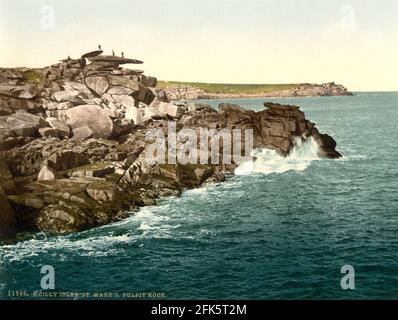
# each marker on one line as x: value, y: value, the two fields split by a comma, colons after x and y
x: 273, y: 234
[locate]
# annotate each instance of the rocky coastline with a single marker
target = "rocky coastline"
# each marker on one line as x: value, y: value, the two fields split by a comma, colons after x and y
x: 72, y: 142
x: 184, y: 92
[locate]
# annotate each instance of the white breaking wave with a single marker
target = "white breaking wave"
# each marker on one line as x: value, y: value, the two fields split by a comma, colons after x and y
x: 109, y: 240
x: 95, y: 246
x: 149, y: 221
x: 269, y: 161
x: 354, y: 157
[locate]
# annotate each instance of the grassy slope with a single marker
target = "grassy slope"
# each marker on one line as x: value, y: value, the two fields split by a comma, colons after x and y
x: 229, y: 88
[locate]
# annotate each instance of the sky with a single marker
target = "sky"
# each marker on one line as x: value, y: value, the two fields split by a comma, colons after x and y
x: 352, y: 42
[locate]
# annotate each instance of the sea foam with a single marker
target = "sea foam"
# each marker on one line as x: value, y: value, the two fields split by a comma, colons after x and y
x: 269, y: 161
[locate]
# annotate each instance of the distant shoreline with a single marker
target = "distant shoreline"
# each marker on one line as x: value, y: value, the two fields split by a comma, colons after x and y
x: 199, y: 91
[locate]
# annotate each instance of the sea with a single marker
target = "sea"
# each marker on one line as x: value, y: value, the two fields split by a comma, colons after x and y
x: 280, y: 228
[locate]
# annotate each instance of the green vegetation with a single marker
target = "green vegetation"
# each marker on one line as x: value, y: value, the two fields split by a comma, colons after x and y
x: 34, y: 77
x: 226, y: 88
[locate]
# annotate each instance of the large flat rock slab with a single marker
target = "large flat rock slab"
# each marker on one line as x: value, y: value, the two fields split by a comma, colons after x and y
x: 119, y: 60
x: 92, y: 54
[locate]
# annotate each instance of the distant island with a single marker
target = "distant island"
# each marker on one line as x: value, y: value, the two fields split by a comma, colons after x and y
x: 196, y: 90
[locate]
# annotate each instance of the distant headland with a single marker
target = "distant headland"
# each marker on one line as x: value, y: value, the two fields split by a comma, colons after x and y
x: 195, y: 90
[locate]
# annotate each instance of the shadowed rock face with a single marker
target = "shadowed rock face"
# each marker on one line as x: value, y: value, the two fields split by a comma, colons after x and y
x: 7, y: 217
x: 7, y: 182
x: 77, y: 159
x: 284, y: 121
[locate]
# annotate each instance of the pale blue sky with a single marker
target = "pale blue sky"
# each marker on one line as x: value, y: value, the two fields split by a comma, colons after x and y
x: 271, y: 41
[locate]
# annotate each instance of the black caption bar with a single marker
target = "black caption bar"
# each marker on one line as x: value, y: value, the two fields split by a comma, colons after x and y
x: 183, y: 309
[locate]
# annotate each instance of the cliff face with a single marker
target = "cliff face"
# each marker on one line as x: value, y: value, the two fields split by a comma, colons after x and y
x: 314, y: 90
x: 73, y: 141
x: 184, y: 92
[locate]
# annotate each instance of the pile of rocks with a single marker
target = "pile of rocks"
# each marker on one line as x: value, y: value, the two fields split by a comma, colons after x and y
x: 17, y: 93
x: 181, y: 92
x: 65, y: 96
x: 72, y: 141
x: 96, y: 84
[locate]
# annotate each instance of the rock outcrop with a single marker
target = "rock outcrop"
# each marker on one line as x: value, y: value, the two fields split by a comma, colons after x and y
x: 73, y: 148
